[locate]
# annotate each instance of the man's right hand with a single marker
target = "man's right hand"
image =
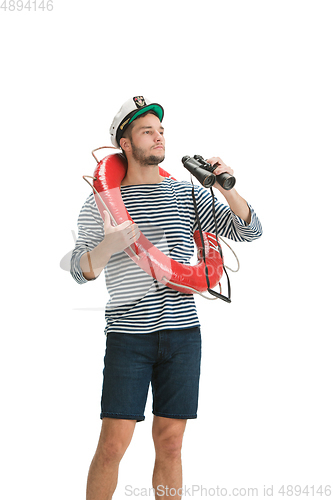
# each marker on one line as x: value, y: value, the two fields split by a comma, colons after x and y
x: 116, y: 239
x: 119, y: 237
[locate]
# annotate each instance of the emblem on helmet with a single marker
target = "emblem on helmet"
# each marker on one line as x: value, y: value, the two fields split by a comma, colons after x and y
x: 139, y: 101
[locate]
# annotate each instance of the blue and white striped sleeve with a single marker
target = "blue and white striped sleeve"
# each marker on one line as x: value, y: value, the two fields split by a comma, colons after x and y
x: 90, y: 234
x: 229, y: 225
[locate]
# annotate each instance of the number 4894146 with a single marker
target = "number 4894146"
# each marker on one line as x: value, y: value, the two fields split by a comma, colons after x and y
x: 19, y: 5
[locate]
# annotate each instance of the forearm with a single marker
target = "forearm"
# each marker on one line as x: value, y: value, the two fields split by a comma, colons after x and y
x: 237, y: 204
x: 92, y: 263
x: 116, y: 239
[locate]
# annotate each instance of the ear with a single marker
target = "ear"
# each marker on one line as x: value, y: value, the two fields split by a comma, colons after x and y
x: 124, y: 143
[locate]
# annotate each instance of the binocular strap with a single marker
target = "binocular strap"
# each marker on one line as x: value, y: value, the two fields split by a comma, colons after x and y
x: 212, y: 292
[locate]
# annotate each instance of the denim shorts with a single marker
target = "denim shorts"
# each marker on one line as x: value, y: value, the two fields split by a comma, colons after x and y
x: 168, y: 359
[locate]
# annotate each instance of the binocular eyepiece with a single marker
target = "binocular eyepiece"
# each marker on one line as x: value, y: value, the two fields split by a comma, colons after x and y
x: 203, y: 171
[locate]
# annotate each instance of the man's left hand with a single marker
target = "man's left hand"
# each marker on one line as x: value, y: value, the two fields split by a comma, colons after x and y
x: 221, y: 168
x: 237, y: 204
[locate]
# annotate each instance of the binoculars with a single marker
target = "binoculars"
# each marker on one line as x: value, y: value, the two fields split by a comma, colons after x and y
x: 203, y: 171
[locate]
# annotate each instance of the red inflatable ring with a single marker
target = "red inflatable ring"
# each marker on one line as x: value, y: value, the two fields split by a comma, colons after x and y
x: 182, y: 277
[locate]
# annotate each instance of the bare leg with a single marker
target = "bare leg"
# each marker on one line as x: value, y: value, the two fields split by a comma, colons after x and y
x: 168, y: 437
x: 116, y: 435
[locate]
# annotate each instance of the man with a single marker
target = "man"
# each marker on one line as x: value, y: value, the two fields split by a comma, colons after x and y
x: 153, y: 332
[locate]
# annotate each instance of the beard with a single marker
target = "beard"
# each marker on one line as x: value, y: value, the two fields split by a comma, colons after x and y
x: 145, y: 160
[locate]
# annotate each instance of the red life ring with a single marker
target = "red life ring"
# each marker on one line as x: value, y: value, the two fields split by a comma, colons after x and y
x: 182, y: 277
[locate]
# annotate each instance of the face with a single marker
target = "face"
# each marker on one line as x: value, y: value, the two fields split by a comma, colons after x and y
x: 147, y: 143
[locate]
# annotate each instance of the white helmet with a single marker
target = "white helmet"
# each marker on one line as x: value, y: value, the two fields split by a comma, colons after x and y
x: 130, y: 110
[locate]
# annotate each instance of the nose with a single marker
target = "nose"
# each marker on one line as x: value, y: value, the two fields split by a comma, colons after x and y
x: 158, y: 136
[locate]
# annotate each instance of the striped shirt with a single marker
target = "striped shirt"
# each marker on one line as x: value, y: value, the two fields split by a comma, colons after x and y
x: 165, y: 214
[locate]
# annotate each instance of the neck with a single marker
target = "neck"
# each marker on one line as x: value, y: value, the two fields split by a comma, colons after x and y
x: 137, y: 174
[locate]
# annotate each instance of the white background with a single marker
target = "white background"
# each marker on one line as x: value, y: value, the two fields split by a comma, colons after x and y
x: 250, y: 81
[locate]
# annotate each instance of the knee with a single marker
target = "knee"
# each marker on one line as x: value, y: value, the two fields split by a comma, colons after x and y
x: 110, y: 452
x: 114, y: 439
x: 168, y: 444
